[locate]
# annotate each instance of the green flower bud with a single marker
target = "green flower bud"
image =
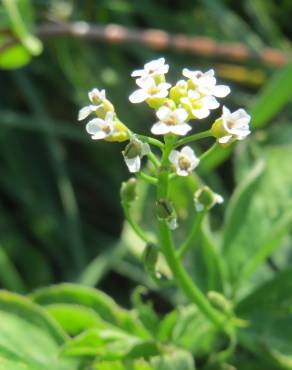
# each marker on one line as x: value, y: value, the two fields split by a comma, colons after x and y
x: 129, y: 190
x: 219, y: 301
x: 205, y: 199
x: 178, y: 91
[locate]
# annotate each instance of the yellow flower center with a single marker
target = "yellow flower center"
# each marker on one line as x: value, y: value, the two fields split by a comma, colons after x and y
x: 184, y: 163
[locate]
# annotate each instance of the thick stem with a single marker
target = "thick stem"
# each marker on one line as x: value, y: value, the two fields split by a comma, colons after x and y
x: 180, y: 275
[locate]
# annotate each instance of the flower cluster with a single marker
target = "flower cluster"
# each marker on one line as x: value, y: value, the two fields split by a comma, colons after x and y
x: 176, y: 107
x: 107, y: 125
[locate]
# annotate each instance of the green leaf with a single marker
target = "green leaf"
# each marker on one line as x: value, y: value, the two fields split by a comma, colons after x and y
x: 20, y: 13
x: 177, y: 360
x: 187, y: 328
x: 74, y: 319
x: 93, y: 299
x: 109, y: 344
x: 268, y: 312
x: 14, y: 56
x: 29, y: 338
x: 258, y: 216
x: 272, y: 98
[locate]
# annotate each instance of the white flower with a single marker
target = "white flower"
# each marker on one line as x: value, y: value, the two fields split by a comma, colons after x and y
x: 199, y: 106
x: 133, y: 153
x: 184, y: 161
x: 206, y: 83
x: 149, y: 89
x: 235, y: 125
x: 95, y: 96
x: 205, y: 199
x: 171, y: 121
x: 101, y: 128
x: 153, y: 68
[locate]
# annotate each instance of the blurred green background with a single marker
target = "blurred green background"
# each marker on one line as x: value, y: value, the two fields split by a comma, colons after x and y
x: 60, y: 215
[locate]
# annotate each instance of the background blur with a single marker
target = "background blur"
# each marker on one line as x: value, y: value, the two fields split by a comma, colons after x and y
x: 60, y: 216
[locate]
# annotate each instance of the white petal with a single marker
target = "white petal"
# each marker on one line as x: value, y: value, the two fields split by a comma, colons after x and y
x: 94, y: 126
x: 145, y: 149
x: 210, y: 102
x: 193, y: 94
x: 145, y: 83
x: 220, y: 91
x: 224, y: 139
x: 163, y: 112
x: 133, y: 164
x: 201, y: 113
x: 226, y: 112
x: 160, y: 94
x: 173, y: 157
x: 218, y: 198
x: 99, y: 135
x: 210, y: 73
x: 188, y: 151
x: 85, y: 112
x: 188, y: 73
x: 194, y: 163
x: 137, y: 73
x: 181, y: 172
x: 180, y: 129
x: 181, y: 115
x: 109, y: 118
x: 160, y: 128
x: 138, y: 96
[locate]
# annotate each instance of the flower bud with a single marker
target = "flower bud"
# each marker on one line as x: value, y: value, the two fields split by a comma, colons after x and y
x: 129, y: 190
x: 121, y: 132
x: 178, y: 91
x: 166, y: 212
x: 205, y: 199
x: 219, y: 301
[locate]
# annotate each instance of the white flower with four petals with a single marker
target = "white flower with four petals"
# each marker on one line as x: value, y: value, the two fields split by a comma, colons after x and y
x: 171, y: 121
x: 100, y: 128
x: 153, y: 68
x: 149, y: 89
x: 134, y: 152
x: 235, y: 125
x: 184, y: 161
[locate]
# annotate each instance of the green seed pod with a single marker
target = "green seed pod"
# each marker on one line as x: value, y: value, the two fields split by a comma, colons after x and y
x: 164, y: 209
x: 129, y: 190
x: 150, y: 257
x: 133, y: 149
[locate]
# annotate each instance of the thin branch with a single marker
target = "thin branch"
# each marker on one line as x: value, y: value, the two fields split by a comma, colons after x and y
x: 160, y: 40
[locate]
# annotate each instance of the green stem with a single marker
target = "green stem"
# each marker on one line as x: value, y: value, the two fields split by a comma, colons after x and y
x: 195, y: 137
x: 143, y: 176
x: 209, y: 151
x: 180, y: 275
x: 194, y: 231
x: 151, y: 140
x: 152, y: 157
x: 138, y: 230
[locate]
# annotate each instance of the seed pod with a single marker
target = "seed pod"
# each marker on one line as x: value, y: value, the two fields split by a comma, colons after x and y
x: 129, y: 190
